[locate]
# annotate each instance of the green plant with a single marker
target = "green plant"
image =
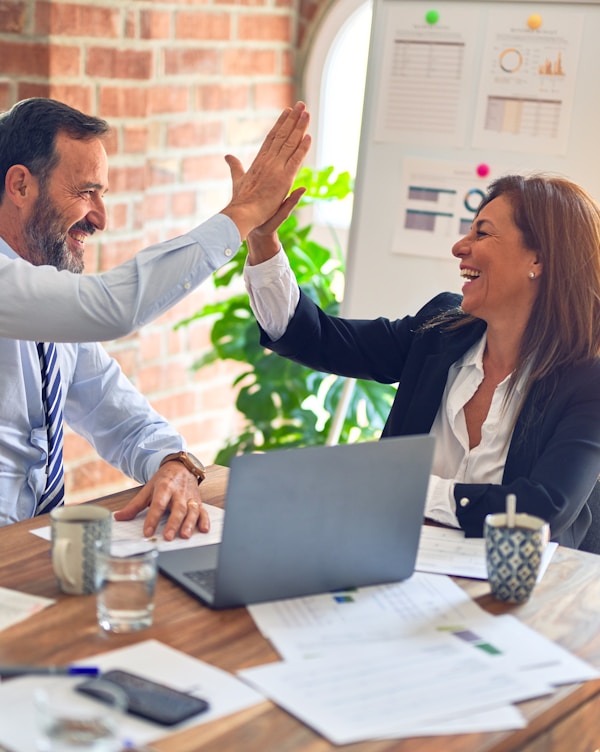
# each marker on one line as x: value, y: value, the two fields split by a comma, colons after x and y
x: 286, y: 404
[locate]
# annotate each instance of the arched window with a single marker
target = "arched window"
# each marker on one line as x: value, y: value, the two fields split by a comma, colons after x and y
x: 334, y: 82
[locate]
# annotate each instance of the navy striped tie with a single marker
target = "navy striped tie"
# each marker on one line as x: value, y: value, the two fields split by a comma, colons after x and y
x: 52, y: 398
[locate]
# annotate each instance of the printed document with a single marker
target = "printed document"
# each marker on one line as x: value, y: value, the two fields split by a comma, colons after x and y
x: 446, y: 551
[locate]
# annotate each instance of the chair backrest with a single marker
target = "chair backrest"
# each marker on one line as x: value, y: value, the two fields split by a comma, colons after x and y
x: 591, y: 542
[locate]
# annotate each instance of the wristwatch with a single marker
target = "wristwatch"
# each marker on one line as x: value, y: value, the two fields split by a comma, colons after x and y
x: 190, y: 462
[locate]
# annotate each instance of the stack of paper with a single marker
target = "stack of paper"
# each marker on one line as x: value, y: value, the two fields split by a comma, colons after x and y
x: 133, y: 530
x: 408, y: 659
x: 444, y: 550
x: 16, y: 606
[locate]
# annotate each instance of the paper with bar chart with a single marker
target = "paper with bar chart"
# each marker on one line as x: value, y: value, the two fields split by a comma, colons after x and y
x: 527, y: 83
x: 437, y: 202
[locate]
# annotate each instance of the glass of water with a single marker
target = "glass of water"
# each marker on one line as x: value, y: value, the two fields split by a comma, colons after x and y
x: 126, y: 584
x: 68, y: 721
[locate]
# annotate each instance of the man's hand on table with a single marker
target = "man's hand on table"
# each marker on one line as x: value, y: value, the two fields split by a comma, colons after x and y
x: 175, y: 488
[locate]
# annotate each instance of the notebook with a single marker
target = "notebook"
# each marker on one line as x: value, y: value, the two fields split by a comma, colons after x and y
x: 310, y: 520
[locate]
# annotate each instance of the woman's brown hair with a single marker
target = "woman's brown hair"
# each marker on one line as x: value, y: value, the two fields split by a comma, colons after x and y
x: 560, y: 222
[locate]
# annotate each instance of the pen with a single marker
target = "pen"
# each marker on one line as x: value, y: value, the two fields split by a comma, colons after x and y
x: 52, y: 670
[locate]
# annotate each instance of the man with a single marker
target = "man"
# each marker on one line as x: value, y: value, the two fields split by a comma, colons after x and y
x: 42, y: 304
x: 53, y: 176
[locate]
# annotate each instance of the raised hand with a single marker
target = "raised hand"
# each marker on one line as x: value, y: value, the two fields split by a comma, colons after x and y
x: 259, y: 192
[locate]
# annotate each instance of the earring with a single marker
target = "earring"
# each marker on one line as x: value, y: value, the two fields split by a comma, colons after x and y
x: 531, y: 275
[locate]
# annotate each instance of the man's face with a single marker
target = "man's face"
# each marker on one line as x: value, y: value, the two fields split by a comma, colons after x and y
x: 69, y: 207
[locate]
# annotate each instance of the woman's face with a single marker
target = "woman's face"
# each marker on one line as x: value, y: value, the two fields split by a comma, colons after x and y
x: 497, y: 266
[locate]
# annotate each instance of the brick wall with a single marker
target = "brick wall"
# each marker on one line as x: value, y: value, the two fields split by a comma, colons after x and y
x: 182, y: 82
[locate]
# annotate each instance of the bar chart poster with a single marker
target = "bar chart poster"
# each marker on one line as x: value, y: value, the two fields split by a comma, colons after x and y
x: 438, y: 201
x: 527, y: 84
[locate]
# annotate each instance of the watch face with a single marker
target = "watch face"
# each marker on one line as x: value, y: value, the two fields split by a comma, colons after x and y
x: 195, y: 462
x: 194, y: 465
x: 190, y: 462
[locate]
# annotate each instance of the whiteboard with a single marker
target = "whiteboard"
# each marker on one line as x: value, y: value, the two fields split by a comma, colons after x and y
x: 521, y: 99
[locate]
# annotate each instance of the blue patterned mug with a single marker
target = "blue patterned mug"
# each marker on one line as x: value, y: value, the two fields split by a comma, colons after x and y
x: 76, y: 531
x: 514, y: 555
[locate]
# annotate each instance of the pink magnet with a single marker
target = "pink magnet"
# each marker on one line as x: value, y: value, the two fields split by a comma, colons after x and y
x: 483, y: 170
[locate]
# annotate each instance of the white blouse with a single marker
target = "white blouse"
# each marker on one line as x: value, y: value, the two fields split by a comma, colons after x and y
x: 274, y: 295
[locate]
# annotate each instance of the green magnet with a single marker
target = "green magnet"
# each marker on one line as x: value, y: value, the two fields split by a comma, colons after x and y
x: 432, y: 17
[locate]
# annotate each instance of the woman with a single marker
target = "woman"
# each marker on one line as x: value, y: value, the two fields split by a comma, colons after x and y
x: 506, y: 378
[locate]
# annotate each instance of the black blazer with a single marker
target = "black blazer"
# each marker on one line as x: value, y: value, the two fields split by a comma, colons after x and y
x: 553, y: 462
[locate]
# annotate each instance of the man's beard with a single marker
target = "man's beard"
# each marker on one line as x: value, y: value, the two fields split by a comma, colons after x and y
x: 47, y: 241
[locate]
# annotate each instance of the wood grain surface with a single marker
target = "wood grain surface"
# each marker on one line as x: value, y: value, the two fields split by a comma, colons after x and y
x: 565, y: 607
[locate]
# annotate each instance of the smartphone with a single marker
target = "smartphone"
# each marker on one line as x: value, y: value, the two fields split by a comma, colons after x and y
x: 147, y: 699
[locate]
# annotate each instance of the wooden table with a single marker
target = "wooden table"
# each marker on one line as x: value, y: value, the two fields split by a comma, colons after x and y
x: 564, y: 607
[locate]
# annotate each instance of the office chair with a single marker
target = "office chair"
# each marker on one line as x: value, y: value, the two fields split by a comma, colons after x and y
x: 591, y: 542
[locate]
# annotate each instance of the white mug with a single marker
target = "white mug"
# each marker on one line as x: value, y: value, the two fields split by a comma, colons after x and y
x: 75, y: 533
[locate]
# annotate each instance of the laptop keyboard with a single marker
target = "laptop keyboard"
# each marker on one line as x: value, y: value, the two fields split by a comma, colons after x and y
x: 204, y: 578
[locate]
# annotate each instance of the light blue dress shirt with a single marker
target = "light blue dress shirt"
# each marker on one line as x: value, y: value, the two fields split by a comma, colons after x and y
x: 100, y: 403
x: 41, y: 303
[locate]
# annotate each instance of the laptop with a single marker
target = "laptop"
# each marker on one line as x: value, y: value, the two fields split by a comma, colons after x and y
x: 311, y: 520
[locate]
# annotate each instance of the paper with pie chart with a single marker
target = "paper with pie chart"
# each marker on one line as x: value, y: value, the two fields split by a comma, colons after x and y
x: 527, y: 81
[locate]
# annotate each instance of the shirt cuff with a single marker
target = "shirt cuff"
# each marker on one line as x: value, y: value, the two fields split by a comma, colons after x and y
x: 273, y: 293
x: 219, y: 238
x: 440, y: 505
x: 267, y: 272
x: 174, y: 444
